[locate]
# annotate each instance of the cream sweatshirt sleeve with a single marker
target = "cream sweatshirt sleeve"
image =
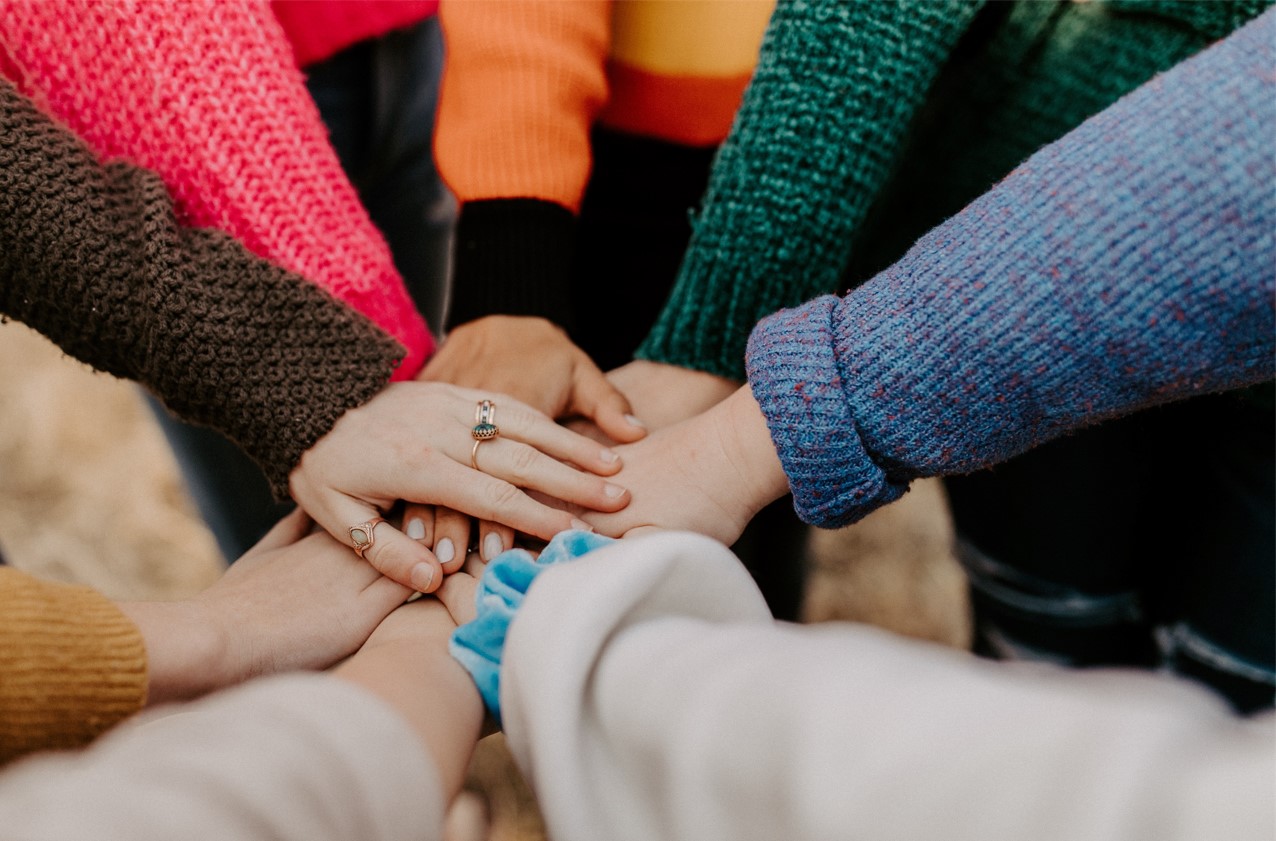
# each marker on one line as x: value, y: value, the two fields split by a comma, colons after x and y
x: 304, y: 757
x: 665, y: 704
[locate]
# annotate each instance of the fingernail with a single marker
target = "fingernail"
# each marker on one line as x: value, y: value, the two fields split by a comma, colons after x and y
x: 613, y: 491
x: 610, y: 456
x: 581, y: 525
x: 633, y: 421
x: 416, y: 529
x: 444, y: 550
x: 492, y: 546
x: 422, y: 576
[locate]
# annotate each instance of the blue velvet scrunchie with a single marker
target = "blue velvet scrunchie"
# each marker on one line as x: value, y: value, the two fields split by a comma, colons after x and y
x: 478, y: 644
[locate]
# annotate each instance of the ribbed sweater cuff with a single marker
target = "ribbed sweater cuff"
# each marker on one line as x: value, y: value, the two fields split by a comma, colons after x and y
x: 71, y: 665
x: 833, y: 477
x: 693, y: 332
x: 513, y: 257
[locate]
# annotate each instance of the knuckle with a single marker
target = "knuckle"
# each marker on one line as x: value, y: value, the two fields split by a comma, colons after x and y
x: 502, y: 495
x: 523, y: 462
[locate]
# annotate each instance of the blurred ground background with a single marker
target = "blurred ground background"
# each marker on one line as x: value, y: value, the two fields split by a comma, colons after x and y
x: 89, y: 493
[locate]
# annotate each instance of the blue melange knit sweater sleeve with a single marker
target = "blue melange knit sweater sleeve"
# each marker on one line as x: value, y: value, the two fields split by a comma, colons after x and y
x: 1130, y: 263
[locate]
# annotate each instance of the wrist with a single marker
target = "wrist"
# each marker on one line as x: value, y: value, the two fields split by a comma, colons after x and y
x: 406, y: 664
x: 186, y: 652
x: 747, y: 441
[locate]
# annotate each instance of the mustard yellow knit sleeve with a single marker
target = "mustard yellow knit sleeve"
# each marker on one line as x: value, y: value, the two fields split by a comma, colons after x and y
x: 71, y: 665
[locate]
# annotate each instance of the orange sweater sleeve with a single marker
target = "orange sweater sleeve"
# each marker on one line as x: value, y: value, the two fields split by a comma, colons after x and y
x: 71, y: 665
x: 522, y: 86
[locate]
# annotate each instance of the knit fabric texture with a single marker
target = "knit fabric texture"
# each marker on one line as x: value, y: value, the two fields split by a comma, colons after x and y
x: 524, y: 85
x: 92, y: 257
x: 866, y: 124
x: 71, y: 665
x: 513, y: 257
x: 1129, y: 264
x: 207, y: 94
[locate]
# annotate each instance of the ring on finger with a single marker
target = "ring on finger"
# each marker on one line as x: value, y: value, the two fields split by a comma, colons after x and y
x: 485, y: 428
x: 364, y: 535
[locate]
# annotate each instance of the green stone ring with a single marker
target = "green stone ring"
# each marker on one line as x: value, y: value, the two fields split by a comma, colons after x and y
x: 484, y: 431
x: 485, y: 428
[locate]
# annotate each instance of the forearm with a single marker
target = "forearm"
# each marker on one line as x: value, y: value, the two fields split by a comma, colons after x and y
x: 835, y: 90
x: 215, y: 105
x: 1126, y: 265
x: 94, y: 258
x: 185, y: 658
x: 430, y: 691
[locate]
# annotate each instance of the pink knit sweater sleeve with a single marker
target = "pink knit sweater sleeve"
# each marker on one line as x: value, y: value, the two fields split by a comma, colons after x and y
x: 206, y: 93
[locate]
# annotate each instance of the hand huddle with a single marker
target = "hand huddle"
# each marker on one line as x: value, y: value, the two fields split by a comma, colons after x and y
x: 428, y: 471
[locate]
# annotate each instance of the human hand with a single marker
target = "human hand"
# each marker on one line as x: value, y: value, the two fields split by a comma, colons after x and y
x: 709, y: 474
x: 292, y: 602
x: 663, y: 395
x: 534, y: 361
x: 412, y: 442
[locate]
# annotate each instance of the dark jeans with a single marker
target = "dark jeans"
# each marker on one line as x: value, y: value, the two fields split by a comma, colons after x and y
x: 1147, y: 541
x: 378, y: 100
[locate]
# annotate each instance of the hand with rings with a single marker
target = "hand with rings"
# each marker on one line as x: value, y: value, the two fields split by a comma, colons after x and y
x: 434, y: 444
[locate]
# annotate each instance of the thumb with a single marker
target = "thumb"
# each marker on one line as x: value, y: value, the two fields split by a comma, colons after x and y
x: 594, y: 397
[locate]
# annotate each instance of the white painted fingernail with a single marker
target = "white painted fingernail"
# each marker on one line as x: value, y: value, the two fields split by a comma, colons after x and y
x: 633, y: 421
x: 444, y: 550
x: 613, y: 491
x: 610, y: 456
x: 581, y: 525
x: 492, y: 546
x: 416, y: 528
x: 422, y: 576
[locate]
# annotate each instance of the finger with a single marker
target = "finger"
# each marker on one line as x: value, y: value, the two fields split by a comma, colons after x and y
x: 457, y: 594
x: 594, y: 397
x: 521, y: 423
x: 418, y: 523
x: 451, y: 538
x: 475, y: 565
x: 494, y: 539
x: 527, y: 467
x: 488, y: 498
x: 590, y: 430
x: 640, y: 531
x: 387, y: 593
x: 392, y: 553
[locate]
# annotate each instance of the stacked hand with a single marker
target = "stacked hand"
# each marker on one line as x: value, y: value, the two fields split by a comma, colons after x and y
x: 691, y: 476
x: 532, y: 361
x: 710, y: 474
x: 413, y: 442
x: 294, y: 601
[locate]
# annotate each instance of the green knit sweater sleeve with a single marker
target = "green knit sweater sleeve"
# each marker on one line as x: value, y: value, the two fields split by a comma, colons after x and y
x: 836, y: 87
x: 92, y: 256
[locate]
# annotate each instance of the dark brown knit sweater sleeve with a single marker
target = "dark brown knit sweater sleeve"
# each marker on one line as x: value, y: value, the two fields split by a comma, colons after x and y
x: 92, y: 256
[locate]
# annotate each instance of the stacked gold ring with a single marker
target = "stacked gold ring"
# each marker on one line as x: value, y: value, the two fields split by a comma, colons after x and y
x: 485, y: 428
